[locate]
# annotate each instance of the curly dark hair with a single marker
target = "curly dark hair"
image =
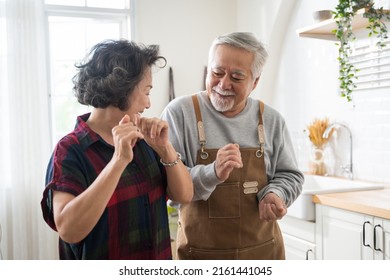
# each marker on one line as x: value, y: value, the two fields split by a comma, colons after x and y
x: 111, y: 70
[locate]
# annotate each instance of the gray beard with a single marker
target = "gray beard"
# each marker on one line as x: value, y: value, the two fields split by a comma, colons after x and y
x: 220, y: 104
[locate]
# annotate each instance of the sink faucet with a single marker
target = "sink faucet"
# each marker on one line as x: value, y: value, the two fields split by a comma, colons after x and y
x: 348, y: 167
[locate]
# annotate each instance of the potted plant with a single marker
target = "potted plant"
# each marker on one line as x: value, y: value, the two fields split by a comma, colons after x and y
x: 343, y: 16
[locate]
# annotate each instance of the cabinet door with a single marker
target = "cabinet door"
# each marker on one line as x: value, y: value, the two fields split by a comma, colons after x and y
x: 344, y: 235
x: 381, y: 235
x: 298, y: 249
x: 386, y: 243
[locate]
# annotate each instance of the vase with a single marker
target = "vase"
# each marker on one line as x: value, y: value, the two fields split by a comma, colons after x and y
x: 317, y: 164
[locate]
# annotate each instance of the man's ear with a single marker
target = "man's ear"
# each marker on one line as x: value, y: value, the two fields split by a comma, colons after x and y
x: 256, y: 82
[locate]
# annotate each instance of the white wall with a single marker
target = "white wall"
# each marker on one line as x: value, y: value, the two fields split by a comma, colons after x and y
x: 184, y: 29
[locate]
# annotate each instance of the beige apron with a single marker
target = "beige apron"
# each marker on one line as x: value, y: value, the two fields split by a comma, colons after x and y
x: 227, y: 225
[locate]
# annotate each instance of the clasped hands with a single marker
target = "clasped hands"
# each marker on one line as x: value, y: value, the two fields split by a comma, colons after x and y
x: 131, y: 129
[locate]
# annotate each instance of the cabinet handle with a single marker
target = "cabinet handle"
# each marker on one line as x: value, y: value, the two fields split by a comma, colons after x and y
x: 375, y: 248
x: 307, y: 253
x: 364, y: 234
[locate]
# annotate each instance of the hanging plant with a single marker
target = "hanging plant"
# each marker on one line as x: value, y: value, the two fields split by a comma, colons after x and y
x: 343, y: 16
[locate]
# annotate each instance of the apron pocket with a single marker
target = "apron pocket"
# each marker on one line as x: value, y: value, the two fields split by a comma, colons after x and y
x: 265, y: 251
x: 225, y: 201
x: 208, y: 254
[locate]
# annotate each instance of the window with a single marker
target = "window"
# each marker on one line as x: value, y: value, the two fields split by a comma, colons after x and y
x: 373, y: 64
x: 112, y: 4
x: 74, y: 26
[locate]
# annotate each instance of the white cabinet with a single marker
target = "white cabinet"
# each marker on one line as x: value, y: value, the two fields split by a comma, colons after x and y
x: 298, y: 249
x: 346, y: 235
x: 381, y: 239
x: 299, y: 238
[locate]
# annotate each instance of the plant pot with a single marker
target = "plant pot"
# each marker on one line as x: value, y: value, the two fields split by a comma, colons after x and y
x: 360, y: 4
x: 322, y: 15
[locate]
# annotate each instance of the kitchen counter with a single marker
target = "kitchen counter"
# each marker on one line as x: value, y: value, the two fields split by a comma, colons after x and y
x: 374, y: 202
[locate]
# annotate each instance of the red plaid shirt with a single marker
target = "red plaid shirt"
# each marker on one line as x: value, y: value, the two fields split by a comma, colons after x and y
x: 134, y: 224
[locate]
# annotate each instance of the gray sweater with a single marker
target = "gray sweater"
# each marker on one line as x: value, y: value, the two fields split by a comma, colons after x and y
x: 284, y: 178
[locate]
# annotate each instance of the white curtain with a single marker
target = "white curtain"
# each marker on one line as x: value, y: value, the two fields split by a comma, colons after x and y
x: 24, y: 131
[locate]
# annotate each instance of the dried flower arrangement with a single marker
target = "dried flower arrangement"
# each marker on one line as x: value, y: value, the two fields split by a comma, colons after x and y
x: 316, y: 130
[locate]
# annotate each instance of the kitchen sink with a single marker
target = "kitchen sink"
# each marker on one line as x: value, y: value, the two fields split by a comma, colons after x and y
x: 303, y: 207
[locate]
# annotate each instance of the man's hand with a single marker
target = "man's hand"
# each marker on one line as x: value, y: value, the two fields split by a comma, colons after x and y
x: 272, y: 208
x: 228, y: 158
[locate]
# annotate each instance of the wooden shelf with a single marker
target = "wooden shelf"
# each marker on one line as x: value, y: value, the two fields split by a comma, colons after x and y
x: 323, y: 30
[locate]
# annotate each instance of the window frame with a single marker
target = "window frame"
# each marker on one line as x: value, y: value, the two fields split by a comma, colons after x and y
x: 125, y: 16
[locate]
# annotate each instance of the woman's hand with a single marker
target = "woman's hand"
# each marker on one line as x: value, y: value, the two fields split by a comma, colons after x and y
x: 155, y: 132
x: 125, y: 135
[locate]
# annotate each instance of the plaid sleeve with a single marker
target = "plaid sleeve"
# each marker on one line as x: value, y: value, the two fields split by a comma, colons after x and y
x: 64, y: 173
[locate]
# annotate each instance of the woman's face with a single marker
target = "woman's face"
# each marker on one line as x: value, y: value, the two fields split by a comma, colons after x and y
x: 139, y: 100
x: 229, y: 79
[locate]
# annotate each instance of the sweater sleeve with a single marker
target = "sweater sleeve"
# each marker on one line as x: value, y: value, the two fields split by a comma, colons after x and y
x: 285, y: 179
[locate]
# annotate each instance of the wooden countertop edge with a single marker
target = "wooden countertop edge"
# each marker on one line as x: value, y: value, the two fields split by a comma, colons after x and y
x: 362, y: 202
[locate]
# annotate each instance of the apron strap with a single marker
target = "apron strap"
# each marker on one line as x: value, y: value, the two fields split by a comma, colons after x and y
x: 261, y: 112
x: 260, y: 131
x: 199, y: 124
